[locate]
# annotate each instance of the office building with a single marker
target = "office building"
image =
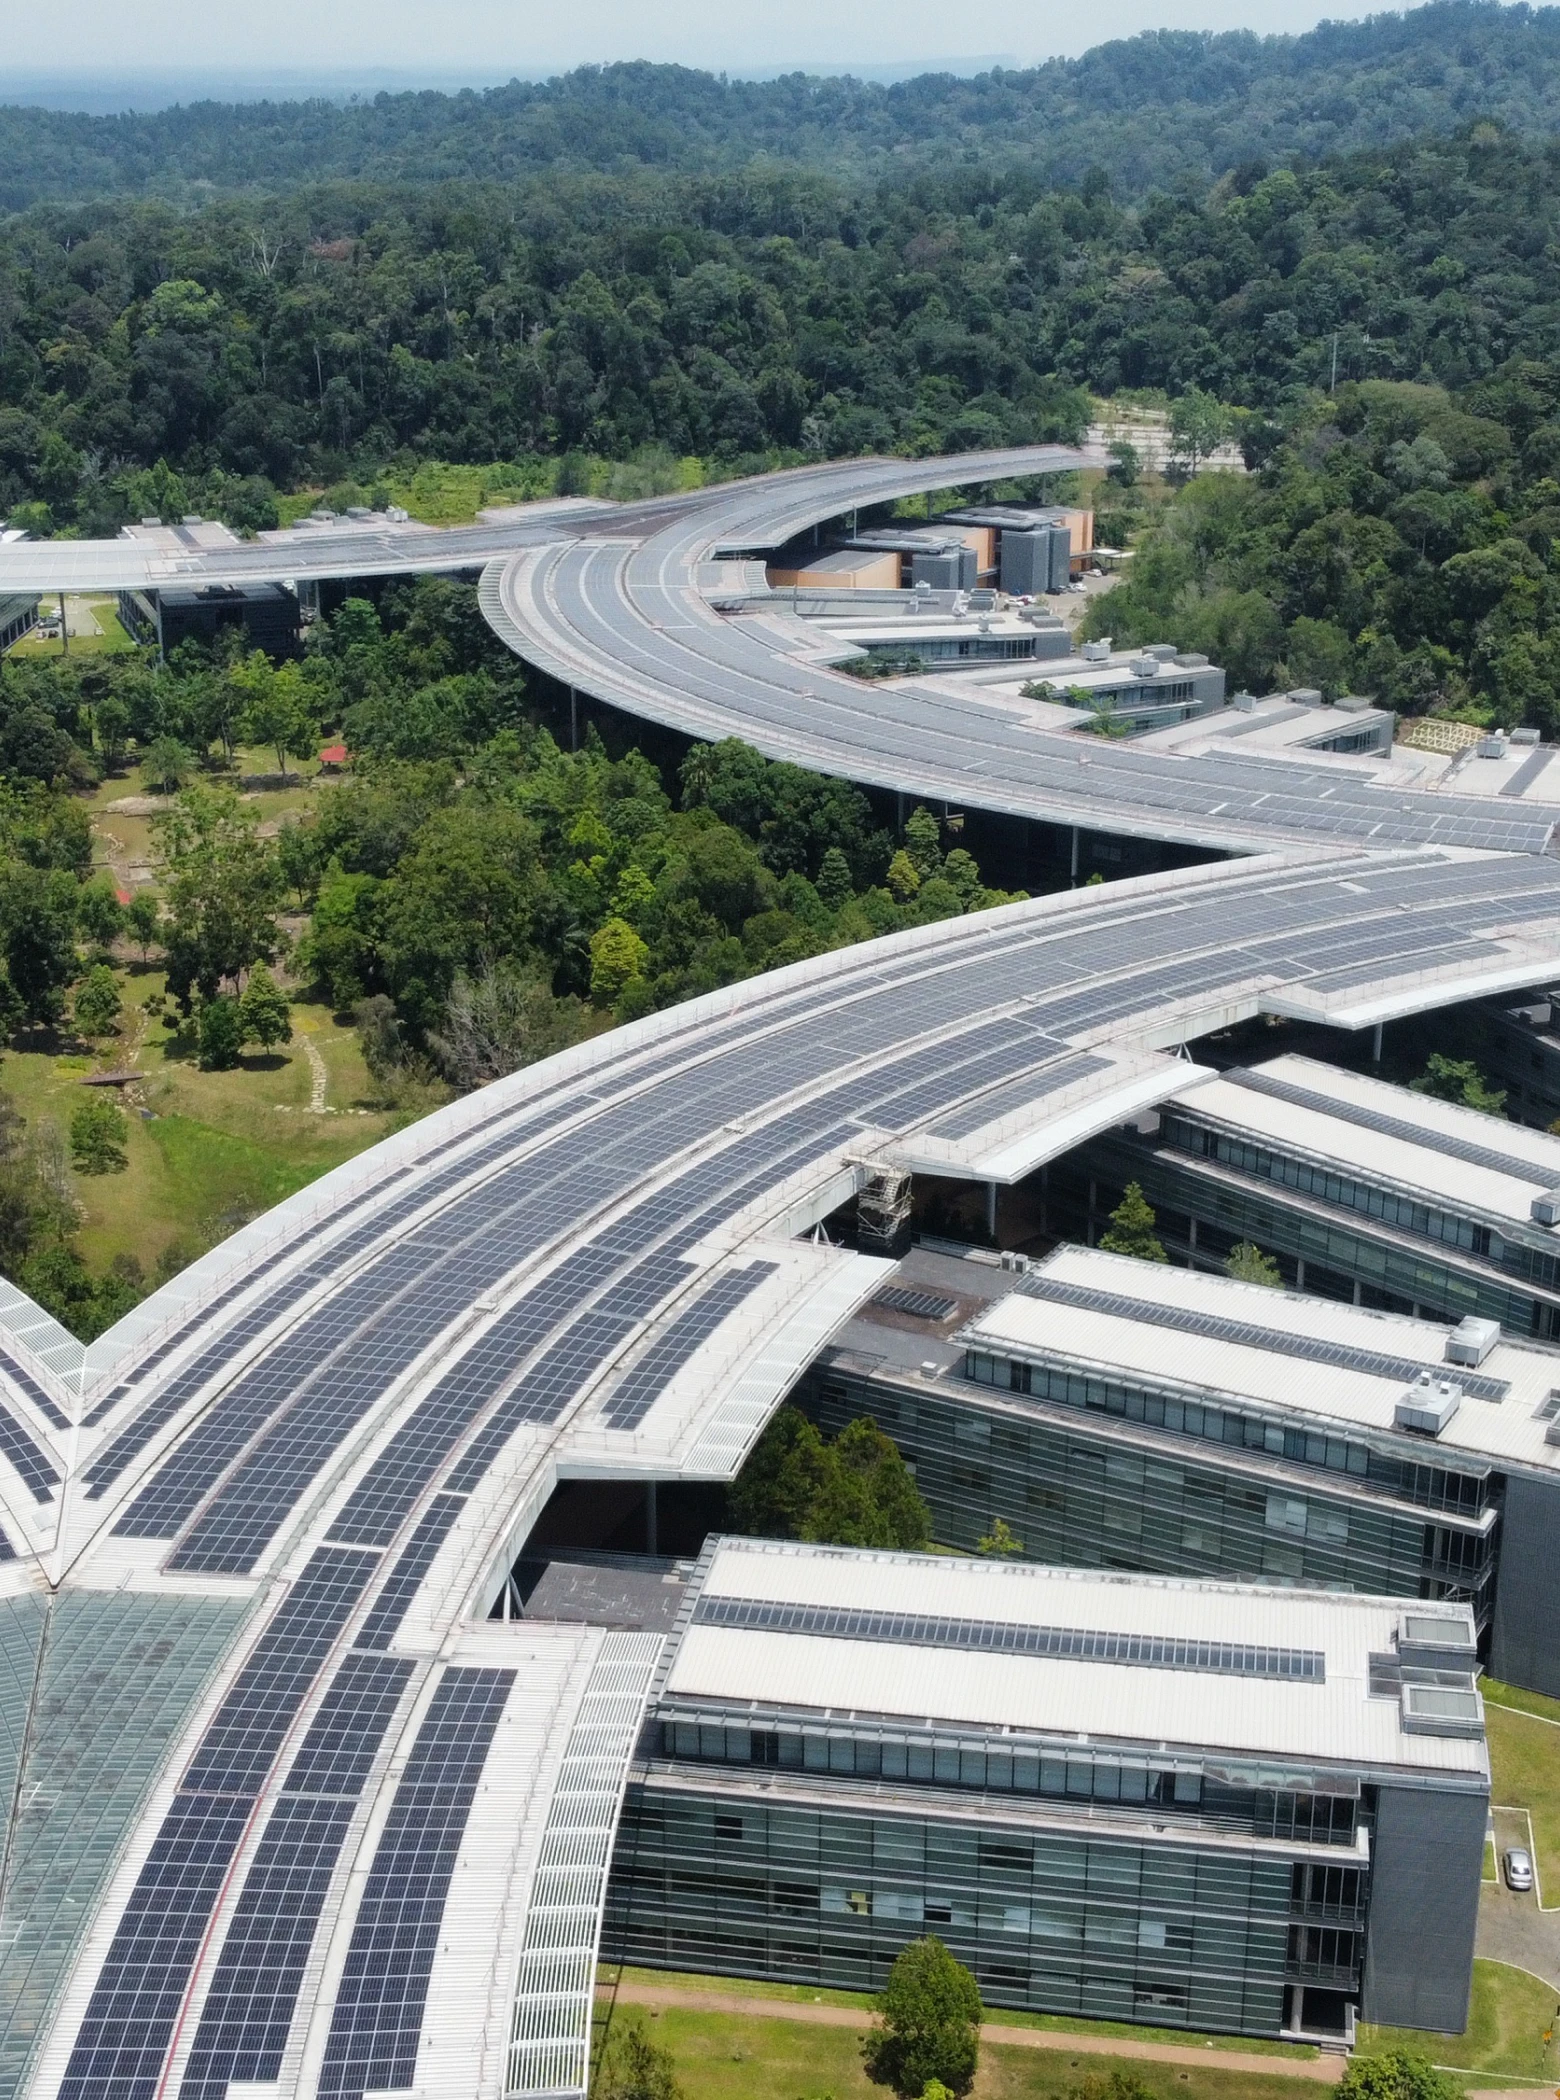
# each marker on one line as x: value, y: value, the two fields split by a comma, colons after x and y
x: 1190, y: 1804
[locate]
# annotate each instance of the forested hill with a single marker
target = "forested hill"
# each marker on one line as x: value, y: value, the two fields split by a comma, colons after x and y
x: 1148, y: 110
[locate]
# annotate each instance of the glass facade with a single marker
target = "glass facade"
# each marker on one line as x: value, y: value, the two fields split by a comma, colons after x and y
x: 1078, y: 1498
x: 1397, y: 1267
x: 1122, y: 1926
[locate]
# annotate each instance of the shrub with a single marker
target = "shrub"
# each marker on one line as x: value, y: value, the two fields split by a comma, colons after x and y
x: 97, y: 1137
x: 221, y: 1035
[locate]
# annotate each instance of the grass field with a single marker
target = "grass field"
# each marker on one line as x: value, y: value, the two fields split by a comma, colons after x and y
x: 726, y: 2056
x: 1506, y: 2026
x: 1524, y: 1741
x: 1054, y: 2023
x: 216, y: 1147
x: 100, y: 614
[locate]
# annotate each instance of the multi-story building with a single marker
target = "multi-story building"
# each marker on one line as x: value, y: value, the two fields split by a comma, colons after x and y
x: 1358, y: 1190
x: 1192, y: 1804
x: 1121, y: 1414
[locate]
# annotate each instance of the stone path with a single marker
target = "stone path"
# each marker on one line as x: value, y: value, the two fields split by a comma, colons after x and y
x: 1320, y: 2070
x: 321, y: 1076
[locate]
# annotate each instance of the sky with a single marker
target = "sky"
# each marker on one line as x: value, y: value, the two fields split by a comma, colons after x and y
x: 480, y: 41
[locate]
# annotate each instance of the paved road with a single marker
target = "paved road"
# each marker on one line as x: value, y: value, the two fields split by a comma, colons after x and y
x: 1320, y: 2070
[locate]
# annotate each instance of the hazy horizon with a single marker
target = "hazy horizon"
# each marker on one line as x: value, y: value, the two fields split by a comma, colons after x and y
x: 355, y: 46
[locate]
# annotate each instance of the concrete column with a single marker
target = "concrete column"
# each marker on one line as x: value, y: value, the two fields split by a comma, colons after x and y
x: 1375, y: 1048
x: 1299, y: 1275
x: 64, y: 628
x: 652, y: 1544
x: 991, y: 1209
x: 1075, y: 856
x: 574, y: 719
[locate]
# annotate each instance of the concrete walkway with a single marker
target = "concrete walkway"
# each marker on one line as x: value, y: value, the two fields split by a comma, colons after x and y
x: 1321, y: 2070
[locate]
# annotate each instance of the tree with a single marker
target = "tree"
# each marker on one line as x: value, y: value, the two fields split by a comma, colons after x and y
x: 1248, y: 1264
x: 1132, y: 1228
x: 1459, y: 1080
x: 923, y: 842
x: 113, y: 727
x: 97, y: 1137
x: 630, y: 2066
x: 617, y: 953
x: 97, y: 1003
x: 835, y: 886
x: 221, y: 891
x: 930, y: 2011
x: 99, y: 913
x: 38, y: 930
x: 143, y: 920
x: 1199, y: 425
x: 498, y: 1021
x: 264, y: 1014
x: 856, y: 1491
x: 220, y: 1033
x: 277, y: 708
x: 903, y: 877
x: 1396, y: 2074
x: 1001, y: 1542
x: 167, y: 764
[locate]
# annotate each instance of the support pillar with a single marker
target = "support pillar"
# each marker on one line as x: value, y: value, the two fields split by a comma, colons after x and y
x: 64, y: 628
x: 1075, y: 856
x: 1375, y: 1048
x: 652, y: 1528
x: 991, y: 1212
x: 574, y: 719
x: 899, y: 812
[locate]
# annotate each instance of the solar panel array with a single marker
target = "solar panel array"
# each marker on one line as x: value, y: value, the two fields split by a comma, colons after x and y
x: 1420, y: 1134
x: 920, y: 1305
x: 254, y: 1992
x: 1003, y: 1637
x: 1023, y: 1093
x: 374, y: 2031
x: 1247, y: 1334
x: 124, y: 2034
x: 24, y: 1381
x: 637, y: 1392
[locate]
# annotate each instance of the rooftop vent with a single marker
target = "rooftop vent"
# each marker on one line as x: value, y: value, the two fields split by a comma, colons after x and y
x: 1440, y: 1709
x: 1245, y: 703
x: 1192, y: 660
x: 1305, y: 695
x: 1526, y: 736
x: 1096, y: 652
x: 1427, y: 1406
x: 1492, y: 747
x: 1145, y: 666
x: 1471, y: 1340
x: 1546, y: 1208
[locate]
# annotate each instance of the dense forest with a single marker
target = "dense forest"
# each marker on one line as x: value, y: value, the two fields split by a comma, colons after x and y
x: 1154, y: 110
x: 1380, y: 331
x: 311, y: 338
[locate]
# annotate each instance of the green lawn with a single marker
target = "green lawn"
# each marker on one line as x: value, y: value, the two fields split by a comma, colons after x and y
x: 1506, y: 2025
x: 728, y: 2056
x: 1524, y: 1745
x: 1055, y: 2023
x: 218, y: 1147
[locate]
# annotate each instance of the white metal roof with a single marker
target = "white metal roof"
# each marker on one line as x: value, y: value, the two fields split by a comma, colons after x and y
x: 1423, y: 1165
x: 1134, y: 1349
x: 1335, y: 1720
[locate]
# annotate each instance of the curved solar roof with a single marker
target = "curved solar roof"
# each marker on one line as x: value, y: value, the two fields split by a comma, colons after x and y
x: 288, y: 1807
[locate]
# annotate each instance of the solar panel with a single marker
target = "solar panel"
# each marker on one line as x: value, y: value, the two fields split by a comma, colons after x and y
x: 920, y: 1305
x: 390, y: 1606
x: 1003, y: 1637
x: 36, y: 1468
x: 1247, y: 1334
x: 1412, y: 1133
x: 377, y: 2021
x: 119, y: 2047
x: 1019, y: 1094
x: 254, y: 1991
x: 637, y: 1392
x: 25, y: 1382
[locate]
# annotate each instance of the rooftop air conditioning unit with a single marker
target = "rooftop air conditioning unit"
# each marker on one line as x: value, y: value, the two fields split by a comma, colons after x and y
x: 1245, y: 703
x: 1145, y: 666
x: 1305, y: 696
x: 1096, y: 652
x: 1471, y: 1340
x: 1426, y: 1406
x: 1492, y: 747
x: 1526, y: 736
x: 1545, y: 1209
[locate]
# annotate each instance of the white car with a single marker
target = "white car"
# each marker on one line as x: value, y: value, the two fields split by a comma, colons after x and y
x: 1519, y: 1870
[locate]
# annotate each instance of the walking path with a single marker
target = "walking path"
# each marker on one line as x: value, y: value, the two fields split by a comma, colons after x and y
x: 1321, y: 2070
